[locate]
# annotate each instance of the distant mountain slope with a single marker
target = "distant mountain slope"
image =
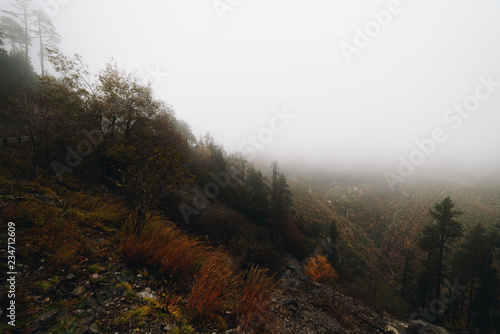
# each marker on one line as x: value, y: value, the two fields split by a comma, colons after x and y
x: 376, y: 225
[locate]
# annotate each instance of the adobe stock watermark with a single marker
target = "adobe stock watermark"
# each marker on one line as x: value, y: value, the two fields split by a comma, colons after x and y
x: 75, y: 158
x: 224, y: 7
x: 155, y: 75
x: 52, y: 7
x: 248, y: 148
x: 454, y: 118
x: 364, y: 36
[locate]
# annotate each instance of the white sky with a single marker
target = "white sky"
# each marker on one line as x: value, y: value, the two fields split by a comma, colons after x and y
x: 226, y: 76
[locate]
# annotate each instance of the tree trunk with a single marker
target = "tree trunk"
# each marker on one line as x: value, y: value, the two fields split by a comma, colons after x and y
x: 42, y: 55
x: 440, y: 268
x: 469, y: 306
x: 404, y: 279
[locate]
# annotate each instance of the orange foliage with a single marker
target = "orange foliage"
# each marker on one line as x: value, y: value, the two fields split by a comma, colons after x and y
x: 320, y: 270
x: 253, y: 301
x: 210, y: 292
x: 165, y: 248
x: 217, y: 285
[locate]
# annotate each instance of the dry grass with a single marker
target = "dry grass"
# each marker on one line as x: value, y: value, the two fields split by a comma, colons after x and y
x: 51, y: 232
x: 213, y: 287
x: 253, y: 301
x: 164, y: 247
x: 52, y: 223
x: 216, y: 286
x: 58, y: 224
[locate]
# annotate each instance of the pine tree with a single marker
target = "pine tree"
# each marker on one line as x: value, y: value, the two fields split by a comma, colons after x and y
x: 473, y: 260
x: 447, y: 228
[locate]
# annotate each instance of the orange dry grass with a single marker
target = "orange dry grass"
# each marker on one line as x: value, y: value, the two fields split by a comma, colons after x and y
x: 217, y: 285
x: 165, y: 248
x: 320, y: 270
x: 253, y: 302
x: 212, y: 289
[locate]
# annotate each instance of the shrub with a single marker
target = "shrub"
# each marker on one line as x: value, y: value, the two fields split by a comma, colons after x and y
x: 165, y: 248
x: 212, y: 283
x: 320, y: 270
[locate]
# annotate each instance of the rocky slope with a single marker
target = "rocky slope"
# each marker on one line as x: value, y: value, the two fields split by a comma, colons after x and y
x: 123, y: 301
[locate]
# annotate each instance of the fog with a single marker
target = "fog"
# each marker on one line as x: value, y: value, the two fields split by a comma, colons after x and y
x: 347, y: 86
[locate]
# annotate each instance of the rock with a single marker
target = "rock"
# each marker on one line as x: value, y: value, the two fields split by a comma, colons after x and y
x: 78, y: 291
x: 85, y: 322
x: 68, y: 277
x: 147, y: 293
x: 420, y: 326
x: 47, y: 318
x: 85, y: 303
x: 81, y: 330
x: 93, y: 329
x: 390, y: 330
x: 63, y: 315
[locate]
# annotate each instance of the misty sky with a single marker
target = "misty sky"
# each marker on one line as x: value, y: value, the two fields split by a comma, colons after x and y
x: 229, y: 67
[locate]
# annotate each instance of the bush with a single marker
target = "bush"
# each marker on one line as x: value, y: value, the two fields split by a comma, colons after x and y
x: 165, y: 248
x: 212, y: 283
x: 320, y: 270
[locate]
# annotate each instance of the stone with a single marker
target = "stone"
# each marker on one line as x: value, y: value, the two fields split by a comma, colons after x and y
x: 93, y: 329
x: 64, y: 315
x: 420, y: 327
x: 85, y: 303
x: 81, y: 330
x: 147, y: 293
x: 390, y: 330
x: 78, y: 291
x: 47, y: 318
x: 68, y: 277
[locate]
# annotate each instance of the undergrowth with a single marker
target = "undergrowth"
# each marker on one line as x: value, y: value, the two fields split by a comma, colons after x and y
x: 216, y: 286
